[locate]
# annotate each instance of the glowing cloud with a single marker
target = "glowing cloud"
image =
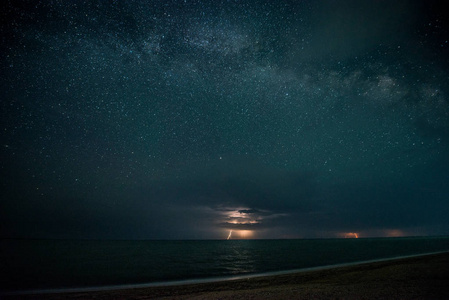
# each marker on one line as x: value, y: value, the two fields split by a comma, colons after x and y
x: 244, y: 234
x: 349, y: 235
x: 394, y: 233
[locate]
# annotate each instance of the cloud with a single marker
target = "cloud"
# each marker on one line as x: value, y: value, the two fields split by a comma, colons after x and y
x: 241, y: 226
x: 248, y: 211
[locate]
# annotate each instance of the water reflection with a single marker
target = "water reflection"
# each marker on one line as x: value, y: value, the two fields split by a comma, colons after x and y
x: 238, y: 258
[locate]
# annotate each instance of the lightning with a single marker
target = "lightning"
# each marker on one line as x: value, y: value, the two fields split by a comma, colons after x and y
x: 229, y: 236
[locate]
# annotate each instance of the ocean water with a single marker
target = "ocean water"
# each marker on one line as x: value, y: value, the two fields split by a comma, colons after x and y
x: 56, y: 264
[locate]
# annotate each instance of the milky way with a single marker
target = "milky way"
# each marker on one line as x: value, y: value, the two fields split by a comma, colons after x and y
x: 188, y: 119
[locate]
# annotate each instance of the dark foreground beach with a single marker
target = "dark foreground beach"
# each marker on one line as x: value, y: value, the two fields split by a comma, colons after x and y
x: 424, y: 277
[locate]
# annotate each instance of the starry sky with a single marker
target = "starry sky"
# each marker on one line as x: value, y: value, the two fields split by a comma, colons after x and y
x: 188, y: 119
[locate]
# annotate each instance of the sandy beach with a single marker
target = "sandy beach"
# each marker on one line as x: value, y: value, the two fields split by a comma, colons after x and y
x: 424, y: 277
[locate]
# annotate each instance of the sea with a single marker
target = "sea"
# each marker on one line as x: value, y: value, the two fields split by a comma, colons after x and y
x: 58, y: 265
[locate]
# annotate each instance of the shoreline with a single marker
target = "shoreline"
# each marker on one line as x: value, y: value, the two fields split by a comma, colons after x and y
x: 269, y: 280
x: 209, y: 279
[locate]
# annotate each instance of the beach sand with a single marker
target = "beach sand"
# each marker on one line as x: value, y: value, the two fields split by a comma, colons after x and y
x: 424, y: 277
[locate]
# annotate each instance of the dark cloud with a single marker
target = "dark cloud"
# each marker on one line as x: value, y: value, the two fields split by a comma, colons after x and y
x: 241, y: 226
x: 248, y: 211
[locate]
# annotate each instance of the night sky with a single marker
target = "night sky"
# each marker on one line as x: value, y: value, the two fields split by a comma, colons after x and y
x: 188, y: 119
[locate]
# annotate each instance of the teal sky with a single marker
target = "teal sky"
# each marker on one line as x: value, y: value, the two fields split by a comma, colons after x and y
x: 188, y: 119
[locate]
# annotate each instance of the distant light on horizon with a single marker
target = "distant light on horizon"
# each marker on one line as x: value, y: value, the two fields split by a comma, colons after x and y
x: 245, y: 234
x: 240, y: 234
x: 350, y: 235
x: 394, y: 233
x: 390, y: 233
